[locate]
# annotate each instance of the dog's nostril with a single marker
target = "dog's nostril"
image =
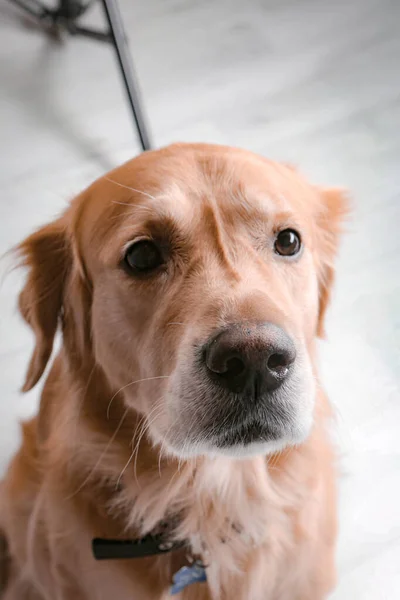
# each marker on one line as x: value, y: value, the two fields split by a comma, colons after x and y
x: 278, y: 362
x: 235, y: 366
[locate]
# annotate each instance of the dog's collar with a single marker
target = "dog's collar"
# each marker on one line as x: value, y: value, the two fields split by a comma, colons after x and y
x: 149, y: 545
x: 158, y: 541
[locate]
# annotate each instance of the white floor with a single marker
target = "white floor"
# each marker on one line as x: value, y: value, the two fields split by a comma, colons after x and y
x: 314, y: 82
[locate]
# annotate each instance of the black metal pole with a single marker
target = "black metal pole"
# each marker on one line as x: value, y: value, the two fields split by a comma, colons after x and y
x: 119, y: 41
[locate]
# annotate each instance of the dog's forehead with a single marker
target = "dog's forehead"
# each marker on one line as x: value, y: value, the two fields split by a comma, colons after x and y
x: 180, y: 183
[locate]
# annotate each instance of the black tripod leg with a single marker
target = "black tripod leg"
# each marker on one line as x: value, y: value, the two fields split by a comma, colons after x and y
x: 118, y: 38
x: 34, y: 8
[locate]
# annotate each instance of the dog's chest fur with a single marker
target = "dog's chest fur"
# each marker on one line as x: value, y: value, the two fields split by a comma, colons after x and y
x: 241, y: 518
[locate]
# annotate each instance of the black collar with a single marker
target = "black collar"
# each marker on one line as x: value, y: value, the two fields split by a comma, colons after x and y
x: 150, y: 545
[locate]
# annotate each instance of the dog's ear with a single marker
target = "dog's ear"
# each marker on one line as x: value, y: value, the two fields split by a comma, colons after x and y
x: 334, y: 209
x: 47, y: 255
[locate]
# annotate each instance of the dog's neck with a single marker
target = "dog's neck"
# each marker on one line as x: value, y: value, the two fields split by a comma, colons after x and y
x: 225, y: 507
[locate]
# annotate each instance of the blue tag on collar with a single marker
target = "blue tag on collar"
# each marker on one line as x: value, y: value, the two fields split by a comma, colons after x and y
x: 186, y: 576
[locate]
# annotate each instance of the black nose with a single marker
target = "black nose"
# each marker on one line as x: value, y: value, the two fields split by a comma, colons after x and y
x: 252, y: 359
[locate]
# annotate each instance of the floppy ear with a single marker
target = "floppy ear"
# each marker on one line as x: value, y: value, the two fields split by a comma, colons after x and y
x: 47, y: 254
x: 335, y: 207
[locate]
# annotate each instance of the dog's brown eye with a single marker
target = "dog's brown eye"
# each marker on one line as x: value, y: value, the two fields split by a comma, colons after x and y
x: 143, y: 256
x: 287, y: 242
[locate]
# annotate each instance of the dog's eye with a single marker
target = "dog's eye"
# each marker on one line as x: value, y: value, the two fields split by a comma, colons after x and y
x: 143, y: 256
x: 287, y: 242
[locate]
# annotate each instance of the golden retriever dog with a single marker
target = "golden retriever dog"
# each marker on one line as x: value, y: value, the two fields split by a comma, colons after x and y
x: 182, y: 416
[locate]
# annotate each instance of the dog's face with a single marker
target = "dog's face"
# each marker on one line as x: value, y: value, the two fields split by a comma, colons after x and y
x: 209, y: 271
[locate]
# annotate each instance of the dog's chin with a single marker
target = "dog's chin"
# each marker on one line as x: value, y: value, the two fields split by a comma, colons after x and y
x: 232, y: 443
x: 250, y: 450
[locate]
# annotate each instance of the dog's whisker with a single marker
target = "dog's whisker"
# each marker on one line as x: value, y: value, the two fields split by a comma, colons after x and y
x: 124, y: 387
x: 146, y: 423
x: 162, y: 451
x: 176, y: 472
x: 121, y: 203
x: 134, y: 452
x: 127, y: 187
x: 273, y: 460
x: 103, y: 453
x: 135, y: 442
x: 124, y: 469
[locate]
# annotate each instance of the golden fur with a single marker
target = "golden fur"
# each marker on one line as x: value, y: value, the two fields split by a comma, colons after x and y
x: 96, y: 460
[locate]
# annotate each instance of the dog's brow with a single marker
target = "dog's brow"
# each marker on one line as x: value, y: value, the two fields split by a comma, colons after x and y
x: 283, y: 216
x: 164, y: 226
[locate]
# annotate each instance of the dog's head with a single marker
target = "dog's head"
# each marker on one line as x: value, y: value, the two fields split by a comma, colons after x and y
x: 196, y: 277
